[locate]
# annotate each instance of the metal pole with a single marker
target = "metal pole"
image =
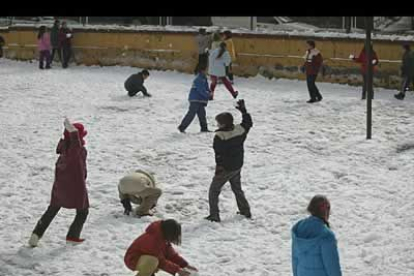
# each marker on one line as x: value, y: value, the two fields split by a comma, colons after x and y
x: 348, y: 24
x: 369, y: 76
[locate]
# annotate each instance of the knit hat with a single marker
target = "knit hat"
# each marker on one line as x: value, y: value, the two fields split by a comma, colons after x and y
x: 81, y: 130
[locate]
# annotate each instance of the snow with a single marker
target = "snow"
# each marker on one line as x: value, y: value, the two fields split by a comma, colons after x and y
x: 294, y: 151
x: 322, y: 33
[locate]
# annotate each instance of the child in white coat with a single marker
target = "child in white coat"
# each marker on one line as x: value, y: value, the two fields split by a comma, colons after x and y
x: 218, y: 62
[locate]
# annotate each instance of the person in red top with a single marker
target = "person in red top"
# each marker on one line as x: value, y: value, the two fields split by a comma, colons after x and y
x: 153, y: 250
x: 69, y: 188
x: 312, y: 65
x: 362, y: 59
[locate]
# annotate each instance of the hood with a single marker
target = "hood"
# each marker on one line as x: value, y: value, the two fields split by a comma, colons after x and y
x: 308, y: 233
x: 149, y: 175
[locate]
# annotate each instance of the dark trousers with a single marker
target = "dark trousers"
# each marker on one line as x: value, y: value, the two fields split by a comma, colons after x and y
x: 1, y: 52
x: 44, y: 57
x: 202, y: 61
x: 230, y: 73
x: 195, y: 108
x: 74, y: 230
x: 134, y: 91
x: 364, y: 87
x: 313, y: 90
x: 66, y: 55
x: 58, y: 51
x: 405, y: 84
x: 221, y: 178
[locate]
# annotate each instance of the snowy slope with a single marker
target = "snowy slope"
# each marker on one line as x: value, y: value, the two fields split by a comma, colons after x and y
x: 294, y: 151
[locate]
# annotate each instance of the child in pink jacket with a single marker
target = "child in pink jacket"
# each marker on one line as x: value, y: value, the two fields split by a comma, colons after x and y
x: 43, y: 43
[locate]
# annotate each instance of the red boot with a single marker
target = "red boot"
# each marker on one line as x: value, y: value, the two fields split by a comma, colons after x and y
x: 74, y: 240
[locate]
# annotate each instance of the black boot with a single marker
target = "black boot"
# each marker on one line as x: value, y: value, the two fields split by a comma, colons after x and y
x: 213, y: 218
x: 399, y: 96
x: 312, y: 101
x: 246, y: 214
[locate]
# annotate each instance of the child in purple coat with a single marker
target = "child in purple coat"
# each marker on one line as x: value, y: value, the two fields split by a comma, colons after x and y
x: 43, y: 44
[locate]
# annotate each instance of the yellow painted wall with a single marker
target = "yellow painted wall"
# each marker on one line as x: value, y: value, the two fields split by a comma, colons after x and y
x: 257, y: 54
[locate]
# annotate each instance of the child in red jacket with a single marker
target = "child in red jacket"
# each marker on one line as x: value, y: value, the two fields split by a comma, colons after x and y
x: 153, y: 250
x: 312, y: 65
x: 69, y: 188
x: 362, y: 59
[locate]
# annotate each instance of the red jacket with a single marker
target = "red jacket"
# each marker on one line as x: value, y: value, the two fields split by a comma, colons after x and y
x: 363, y: 60
x: 69, y: 189
x: 313, y: 61
x: 152, y: 243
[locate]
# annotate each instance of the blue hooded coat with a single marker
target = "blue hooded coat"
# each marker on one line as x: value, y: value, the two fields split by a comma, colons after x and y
x: 314, y: 249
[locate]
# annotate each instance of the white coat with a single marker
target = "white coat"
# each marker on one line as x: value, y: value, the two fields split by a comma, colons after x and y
x: 217, y: 66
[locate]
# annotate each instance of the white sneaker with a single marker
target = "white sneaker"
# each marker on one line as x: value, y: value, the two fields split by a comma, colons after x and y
x: 34, y: 240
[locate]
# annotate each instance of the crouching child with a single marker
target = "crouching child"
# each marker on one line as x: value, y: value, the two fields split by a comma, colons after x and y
x: 139, y: 188
x: 152, y: 251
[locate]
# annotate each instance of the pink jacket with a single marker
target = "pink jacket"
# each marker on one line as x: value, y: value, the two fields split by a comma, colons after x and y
x: 44, y: 43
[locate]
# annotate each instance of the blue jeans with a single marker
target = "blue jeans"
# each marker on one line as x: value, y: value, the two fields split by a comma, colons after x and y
x: 195, y: 108
x: 313, y: 90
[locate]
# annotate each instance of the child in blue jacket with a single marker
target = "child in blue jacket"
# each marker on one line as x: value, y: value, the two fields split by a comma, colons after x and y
x: 198, y: 98
x: 314, y: 246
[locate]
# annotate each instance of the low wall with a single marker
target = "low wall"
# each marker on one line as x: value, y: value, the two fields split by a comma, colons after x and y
x: 271, y: 55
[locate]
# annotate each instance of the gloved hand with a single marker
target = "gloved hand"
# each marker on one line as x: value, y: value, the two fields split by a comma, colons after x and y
x: 127, y: 206
x: 241, y: 106
x: 351, y: 56
x: 68, y: 126
x: 375, y: 61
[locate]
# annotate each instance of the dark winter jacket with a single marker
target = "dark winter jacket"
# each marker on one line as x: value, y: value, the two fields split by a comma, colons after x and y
x: 203, y: 43
x: 314, y: 249
x: 54, y: 36
x: 407, y: 68
x: 69, y: 189
x: 64, y: 40
x: 313, y: 61
x: 228, y: 144
x: 199, y: 91
x: 362, y: 59
x: 135, y: 83
x: 153, y: 243
x: 1, y: 46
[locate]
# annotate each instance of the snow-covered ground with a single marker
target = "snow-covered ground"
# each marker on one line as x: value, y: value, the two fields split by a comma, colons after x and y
x: 294, y: 151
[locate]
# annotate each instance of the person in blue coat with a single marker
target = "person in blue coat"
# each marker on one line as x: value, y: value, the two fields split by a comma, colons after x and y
x: 314, y: 246
x: 198, y: 98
